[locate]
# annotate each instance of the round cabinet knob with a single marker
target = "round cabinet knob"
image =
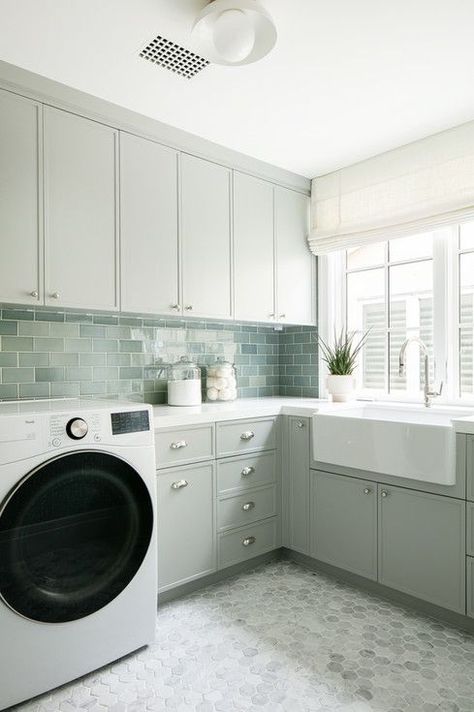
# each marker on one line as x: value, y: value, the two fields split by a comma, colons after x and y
x: 55, y: 295
x: 384, y: 493
x: 300, y: 424
x: 34, y: 294
x: 188, y: 307
x: 176, y: 307
x: 282, y: 316
x: 248, y: 435
x: 77, y: 428
x: 367, y: 490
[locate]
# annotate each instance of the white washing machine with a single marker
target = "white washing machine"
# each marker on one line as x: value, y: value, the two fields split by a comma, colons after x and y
x: 78, y: 564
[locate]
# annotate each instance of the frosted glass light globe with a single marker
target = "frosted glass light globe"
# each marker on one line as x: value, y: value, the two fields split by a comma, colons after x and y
x: 233, y: 35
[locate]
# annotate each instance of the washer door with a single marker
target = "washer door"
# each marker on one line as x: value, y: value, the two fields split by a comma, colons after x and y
x: 73, y: 534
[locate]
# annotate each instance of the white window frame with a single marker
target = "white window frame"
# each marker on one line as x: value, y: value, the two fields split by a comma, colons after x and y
x: 446, y: 316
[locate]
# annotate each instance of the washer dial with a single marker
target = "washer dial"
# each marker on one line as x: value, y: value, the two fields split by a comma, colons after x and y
x: 77, y: 428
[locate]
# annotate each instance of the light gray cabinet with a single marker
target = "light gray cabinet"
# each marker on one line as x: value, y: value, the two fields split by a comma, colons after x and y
x: 344, y: 523
x: 80, y: 186
x: 470, y: 467
x: 148, y: 226
x: 19, y: 200
x: 297, y: 483
x: 422, y: 545
x: 186, y: 524
x: 470, y: 586
x: 254, y: 276
x: 205, y: 203
x: 274, y: 271
x: 295, y: 265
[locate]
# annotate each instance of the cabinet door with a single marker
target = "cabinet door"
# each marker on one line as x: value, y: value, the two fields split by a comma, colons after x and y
x: 205, y: 236
x: 19, y: 190
x: 344, y: 523
x: 296, y: 269
x: 254, y: 284
x: 298, y: 484
x: 148, y: 226
x: 422, y: 545
x: 80, y: 212
x: 186, y: 524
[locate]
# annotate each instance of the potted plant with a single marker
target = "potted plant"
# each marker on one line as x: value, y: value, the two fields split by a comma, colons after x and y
x: 341, y: 360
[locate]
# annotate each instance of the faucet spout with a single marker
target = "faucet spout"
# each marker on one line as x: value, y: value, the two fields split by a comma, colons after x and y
x: 427, y: 390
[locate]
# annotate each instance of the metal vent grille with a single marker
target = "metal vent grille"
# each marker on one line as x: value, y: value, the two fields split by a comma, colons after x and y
x: 173, y: 57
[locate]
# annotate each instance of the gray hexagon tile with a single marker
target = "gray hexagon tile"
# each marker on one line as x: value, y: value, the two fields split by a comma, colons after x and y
x: 282, y: 639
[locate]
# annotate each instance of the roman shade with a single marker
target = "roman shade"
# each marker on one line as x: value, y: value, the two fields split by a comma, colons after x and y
x: 412, y: 189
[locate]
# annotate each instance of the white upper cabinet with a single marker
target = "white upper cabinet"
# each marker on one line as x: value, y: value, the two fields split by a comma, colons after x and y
x: 205, y: 238
x: 254, y: 284
x: 148, y: 226
x: 295, y: 265
x: 80, y: 212
x: 19, y: 204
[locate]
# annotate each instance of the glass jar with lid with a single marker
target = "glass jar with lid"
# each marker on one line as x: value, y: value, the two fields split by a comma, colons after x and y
x: 221, y: 382
x: 184, y: 383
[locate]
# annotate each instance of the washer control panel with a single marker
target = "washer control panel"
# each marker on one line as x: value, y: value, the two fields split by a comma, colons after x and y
x: 64, y: 430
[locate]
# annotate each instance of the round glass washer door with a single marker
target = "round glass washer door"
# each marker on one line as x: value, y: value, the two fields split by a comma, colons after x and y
x: 73, y: 534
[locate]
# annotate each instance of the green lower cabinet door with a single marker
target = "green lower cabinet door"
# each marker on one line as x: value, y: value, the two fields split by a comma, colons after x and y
x: 422, y: 545
x: 344, y: 522
x: 470, y: 586
x: 186, y: 524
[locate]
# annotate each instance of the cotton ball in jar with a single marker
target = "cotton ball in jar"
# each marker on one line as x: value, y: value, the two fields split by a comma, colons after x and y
x: 223, y: 371
x: 225, y: 394
x: 212, y: 393
x: 211, y: 382
x: 220, y: 383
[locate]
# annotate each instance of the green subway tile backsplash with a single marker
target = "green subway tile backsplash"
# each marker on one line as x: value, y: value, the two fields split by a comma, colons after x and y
x: 68, y: 354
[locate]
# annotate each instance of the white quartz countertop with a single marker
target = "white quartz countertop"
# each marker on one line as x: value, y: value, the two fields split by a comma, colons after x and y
x: 240, y: 409
x: 165, y: 415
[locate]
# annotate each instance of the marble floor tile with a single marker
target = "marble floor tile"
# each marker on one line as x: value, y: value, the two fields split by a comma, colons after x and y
x: 283, y: 639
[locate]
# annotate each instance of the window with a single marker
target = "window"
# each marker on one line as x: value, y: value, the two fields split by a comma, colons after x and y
x: 420, y: 286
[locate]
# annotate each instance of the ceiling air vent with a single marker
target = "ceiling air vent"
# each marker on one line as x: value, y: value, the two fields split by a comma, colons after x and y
x: 173, y: 57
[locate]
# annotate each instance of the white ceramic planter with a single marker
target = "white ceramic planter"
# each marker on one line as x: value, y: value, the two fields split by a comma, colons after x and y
x: 341, y: 388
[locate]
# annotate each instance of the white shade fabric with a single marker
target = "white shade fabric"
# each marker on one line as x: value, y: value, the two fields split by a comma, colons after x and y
x: 414, y: 188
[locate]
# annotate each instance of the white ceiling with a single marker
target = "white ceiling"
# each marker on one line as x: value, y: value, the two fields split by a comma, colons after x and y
x: 347, y: 79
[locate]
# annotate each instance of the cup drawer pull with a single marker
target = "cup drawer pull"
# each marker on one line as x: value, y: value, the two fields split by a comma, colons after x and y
x: 178, y: 445
x: 248, y: 506
x: 247, y: 471
x: 179, y: 484
x: 248, y: 435
x: 248, y: 540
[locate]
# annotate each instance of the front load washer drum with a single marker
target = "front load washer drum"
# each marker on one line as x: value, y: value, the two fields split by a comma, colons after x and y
x: 73, y: 534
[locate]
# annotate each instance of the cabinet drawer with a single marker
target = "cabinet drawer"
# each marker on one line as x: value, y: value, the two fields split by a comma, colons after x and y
x: 246, y: 472
x: 178, y: 446
x: 247, y: 542
x: 246, y: 508
x: 246, y: 436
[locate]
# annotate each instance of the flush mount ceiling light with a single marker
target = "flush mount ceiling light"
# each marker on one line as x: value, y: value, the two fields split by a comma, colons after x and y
x: 234, y: 32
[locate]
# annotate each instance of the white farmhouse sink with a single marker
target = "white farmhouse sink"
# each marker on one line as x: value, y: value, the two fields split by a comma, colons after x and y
x: 403, y: 441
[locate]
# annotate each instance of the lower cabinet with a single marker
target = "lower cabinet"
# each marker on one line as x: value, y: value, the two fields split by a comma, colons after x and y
x: 411, y: 541
x: 344, y: 523
x: 297, y: 480
x: 186, y: 524
x: 470, y: 586
x: 422, y: 545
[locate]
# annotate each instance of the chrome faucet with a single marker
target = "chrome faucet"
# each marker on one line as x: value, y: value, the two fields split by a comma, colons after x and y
x: 427, y: 391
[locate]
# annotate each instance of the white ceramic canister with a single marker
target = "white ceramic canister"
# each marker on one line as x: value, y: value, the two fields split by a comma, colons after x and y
x: 184, y: 383
x: 221, y: 382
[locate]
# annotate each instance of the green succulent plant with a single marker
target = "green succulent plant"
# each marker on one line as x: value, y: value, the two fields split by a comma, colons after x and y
x: 342, y: 357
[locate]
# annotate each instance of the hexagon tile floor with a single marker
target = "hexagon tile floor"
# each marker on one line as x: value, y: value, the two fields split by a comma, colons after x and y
x: 283, y: 639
